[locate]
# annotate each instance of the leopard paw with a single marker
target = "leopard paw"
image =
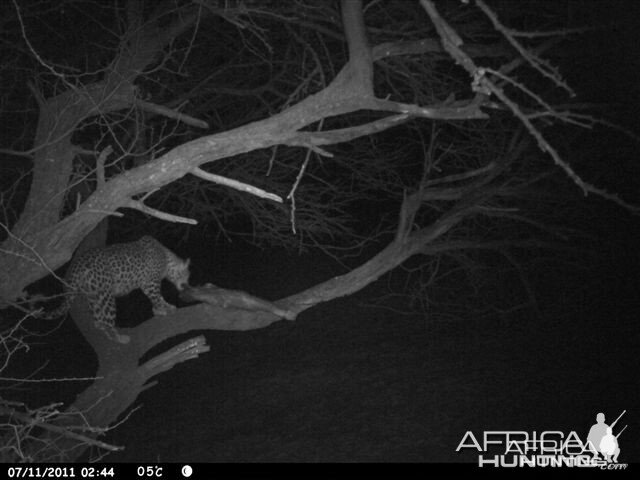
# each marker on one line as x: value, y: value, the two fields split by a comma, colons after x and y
x: 123, y: 338
x: 165, y: 309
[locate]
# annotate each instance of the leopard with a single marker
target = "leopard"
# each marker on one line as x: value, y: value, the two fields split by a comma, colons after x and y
x: 102, y: 274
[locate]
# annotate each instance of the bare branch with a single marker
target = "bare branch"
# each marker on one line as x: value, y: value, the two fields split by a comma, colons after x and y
x: 187, y: 350
x: 542, y: 66
x: 137, y: 205
x: 482, y: 84
x: 243, y: 187
x: 100, y: 164
x: 169, y: 113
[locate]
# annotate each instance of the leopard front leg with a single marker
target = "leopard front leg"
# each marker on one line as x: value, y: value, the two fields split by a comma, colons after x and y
x: 160, y: 305
x: 103, y: 308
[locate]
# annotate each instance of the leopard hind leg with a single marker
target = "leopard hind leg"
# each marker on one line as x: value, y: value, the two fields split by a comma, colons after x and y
x: 103, y: 309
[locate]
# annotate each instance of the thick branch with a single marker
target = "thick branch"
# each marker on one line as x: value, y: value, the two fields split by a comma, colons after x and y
x: 210, y: 317
x: 359, y: 52
x: 121, y: 378
x: 54, y: 153
x: 349, y: 92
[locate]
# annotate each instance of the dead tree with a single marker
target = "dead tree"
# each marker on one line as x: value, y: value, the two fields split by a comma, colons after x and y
x: 43, y: 239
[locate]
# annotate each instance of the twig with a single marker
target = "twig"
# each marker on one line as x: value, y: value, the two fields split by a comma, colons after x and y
x: 64, y: 431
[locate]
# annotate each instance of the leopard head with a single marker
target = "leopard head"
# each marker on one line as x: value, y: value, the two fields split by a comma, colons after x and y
x: 178, y: 272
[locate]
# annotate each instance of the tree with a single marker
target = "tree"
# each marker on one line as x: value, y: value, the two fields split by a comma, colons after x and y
x: 123, y: 124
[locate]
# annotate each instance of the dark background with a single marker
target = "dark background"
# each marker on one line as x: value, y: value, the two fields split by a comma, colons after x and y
x: 352, y: 382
